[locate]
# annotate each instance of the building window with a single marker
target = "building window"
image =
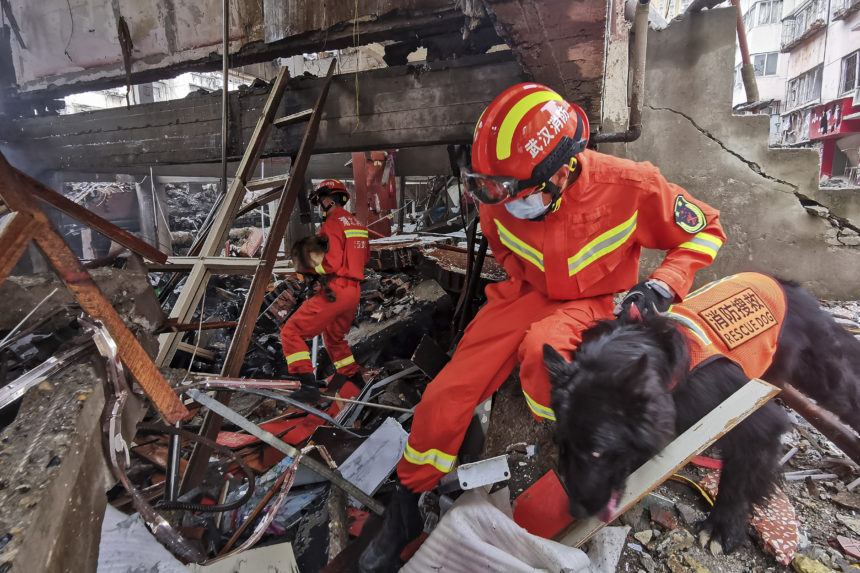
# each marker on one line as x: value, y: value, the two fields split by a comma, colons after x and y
x: 765, y: 64
x: 804, y: 88
x: 762, y: 13
x: 850, y: 73
x: 803, y: 22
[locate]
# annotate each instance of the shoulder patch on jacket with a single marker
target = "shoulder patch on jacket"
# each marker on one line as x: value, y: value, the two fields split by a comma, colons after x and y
x: 689, y: 216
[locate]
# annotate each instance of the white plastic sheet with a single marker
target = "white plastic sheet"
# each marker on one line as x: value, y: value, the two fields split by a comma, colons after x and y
x: 479, y: 534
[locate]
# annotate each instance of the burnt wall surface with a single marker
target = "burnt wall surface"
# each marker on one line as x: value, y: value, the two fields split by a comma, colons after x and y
x: 763, y: 194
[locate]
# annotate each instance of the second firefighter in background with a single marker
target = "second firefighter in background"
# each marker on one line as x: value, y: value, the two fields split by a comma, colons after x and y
x: 343, y: 267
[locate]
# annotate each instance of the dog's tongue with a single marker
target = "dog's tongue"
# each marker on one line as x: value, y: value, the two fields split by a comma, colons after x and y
x: 608, y: 512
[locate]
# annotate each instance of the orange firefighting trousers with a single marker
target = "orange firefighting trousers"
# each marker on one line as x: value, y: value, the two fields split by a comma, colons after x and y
x: 316, y: 316
x: 512, y: 327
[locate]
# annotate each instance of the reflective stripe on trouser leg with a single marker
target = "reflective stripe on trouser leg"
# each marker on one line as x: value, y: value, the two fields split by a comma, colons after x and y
x: 482, y: 362
x: 344, y: 362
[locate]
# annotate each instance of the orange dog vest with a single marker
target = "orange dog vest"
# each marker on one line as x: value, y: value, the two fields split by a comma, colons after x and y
x: 739, y: 317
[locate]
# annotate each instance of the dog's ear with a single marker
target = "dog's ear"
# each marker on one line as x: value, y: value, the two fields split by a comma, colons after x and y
x: 556, y: 365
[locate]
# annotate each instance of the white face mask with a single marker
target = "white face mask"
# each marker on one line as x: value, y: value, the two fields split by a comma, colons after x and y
x: 529, y: 207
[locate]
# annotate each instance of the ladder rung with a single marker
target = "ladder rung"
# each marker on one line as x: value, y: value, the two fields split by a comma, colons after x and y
x: 287, y: 119
x: 267, y: 183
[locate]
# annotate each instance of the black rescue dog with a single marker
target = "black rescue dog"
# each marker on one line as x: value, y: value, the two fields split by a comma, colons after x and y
x: 629, y: 391
x: 309, y: 252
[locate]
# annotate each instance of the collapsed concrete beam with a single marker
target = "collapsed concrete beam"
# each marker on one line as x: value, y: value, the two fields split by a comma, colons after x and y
x: 291, y: 28
x: 403, y: 106
x: 560, y: 43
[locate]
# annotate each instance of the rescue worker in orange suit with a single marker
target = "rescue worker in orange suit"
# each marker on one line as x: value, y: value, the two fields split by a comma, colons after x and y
x: 568, y: 225
x: 344, y: 264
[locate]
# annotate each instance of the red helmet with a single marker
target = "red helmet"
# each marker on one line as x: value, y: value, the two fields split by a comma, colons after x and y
x: 521, y: 140
x: 330, y: 187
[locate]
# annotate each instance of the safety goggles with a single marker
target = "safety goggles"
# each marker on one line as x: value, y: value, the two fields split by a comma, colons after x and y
x: 490, y: 189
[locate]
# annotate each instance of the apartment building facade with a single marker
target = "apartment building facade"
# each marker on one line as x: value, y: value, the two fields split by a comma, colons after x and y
x: 821, y: 106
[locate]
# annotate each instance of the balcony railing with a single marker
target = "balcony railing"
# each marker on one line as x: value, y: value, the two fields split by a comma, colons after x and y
x: 804, y: 22
x: 843, y: 8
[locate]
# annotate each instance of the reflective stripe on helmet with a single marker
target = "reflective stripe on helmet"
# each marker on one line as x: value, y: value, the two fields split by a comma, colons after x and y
x: 509, y: 124
x: 519, y: 247
x: 295, y: 357
x: 703, y: 243
x: 604, y: 244
x: 436, y: 458
x: 539, y: 409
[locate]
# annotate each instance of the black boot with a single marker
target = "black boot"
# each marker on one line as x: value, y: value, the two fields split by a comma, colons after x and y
x: 309, y: 393
x: 401, y: 523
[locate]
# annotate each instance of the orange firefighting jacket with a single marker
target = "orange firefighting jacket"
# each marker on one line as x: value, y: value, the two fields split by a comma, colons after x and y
x: 590, y: 245
x: 348, y: 245
x: 739, y: 317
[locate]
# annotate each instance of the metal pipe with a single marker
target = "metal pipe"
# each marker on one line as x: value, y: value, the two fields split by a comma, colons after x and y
x: 844, y: 437
x: 637, y: 73
x: 171, y: 480
x: 747, y: 69
x: 225, y: 71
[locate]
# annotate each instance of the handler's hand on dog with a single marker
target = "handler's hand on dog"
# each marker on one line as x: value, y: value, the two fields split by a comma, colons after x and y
x: 646, y: 298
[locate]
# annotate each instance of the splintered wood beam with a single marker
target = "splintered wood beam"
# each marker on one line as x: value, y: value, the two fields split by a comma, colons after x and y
x: 718, y: 422
x: 15, y: 235
x: 90, y: 219
x: 251, y: 311
x: 15, y: 189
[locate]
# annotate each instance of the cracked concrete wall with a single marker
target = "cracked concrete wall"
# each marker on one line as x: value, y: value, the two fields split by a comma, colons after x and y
x: 690, y: 134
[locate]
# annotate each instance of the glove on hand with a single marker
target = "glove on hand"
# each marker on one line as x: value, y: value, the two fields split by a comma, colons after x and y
x: 646, y: 298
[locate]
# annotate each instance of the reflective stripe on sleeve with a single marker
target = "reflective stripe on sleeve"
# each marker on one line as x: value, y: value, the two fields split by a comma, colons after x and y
x: 519, y: 247
x: 703, y: 243
x: 355, y: 233
x: 601, y: 246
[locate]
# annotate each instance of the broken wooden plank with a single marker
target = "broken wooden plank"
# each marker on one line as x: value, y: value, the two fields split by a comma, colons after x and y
x: 171, y: 326
x: 76, y: 278
x: 732, y: 411
x: 218, y: 265
x: 267, y: 182
x: 844, y: 437
x: 198, y: 352
x: 121, y: 236
x: 263, y: 199
x: 18, y: 229
x: 292, y: 118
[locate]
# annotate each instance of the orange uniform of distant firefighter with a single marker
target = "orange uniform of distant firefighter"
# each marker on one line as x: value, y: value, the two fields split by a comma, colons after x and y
x: 348, y: 253
x: 564, y: 265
